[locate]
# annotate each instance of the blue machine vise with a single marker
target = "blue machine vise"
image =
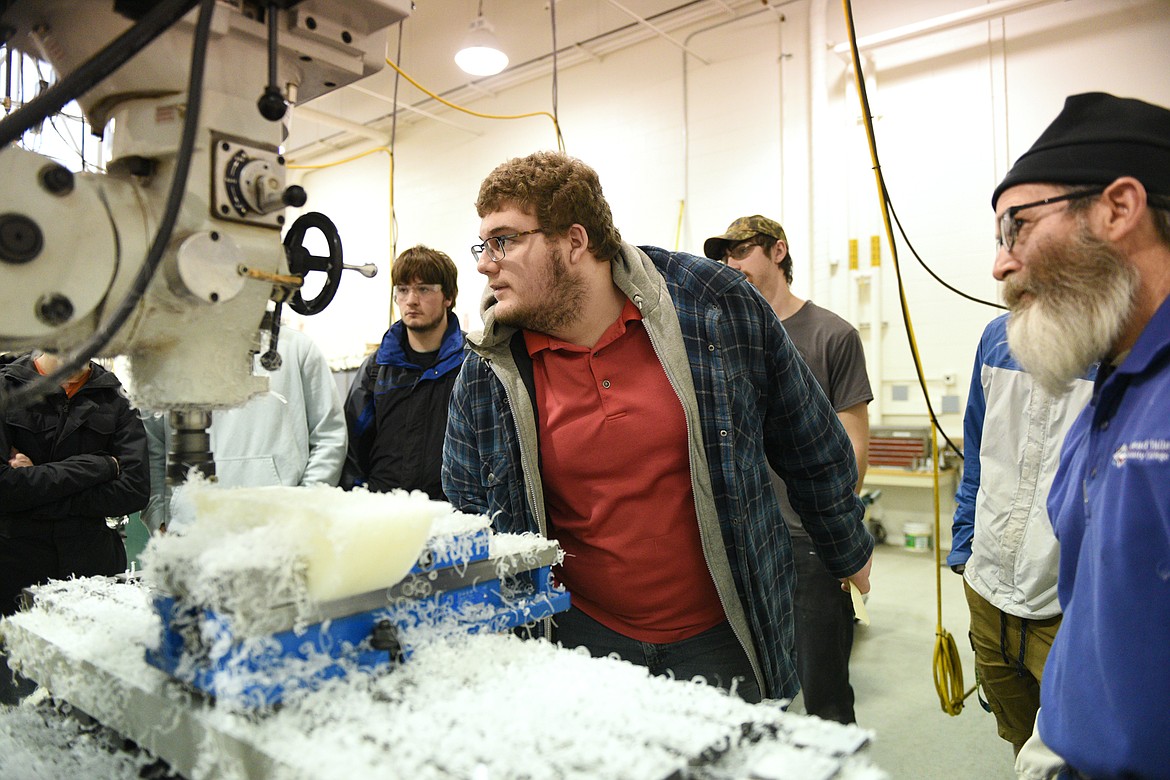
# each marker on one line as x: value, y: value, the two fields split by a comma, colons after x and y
x: 454, y: 587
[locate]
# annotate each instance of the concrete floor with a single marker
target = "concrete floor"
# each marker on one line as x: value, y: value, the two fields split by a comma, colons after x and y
x: 892, y: 676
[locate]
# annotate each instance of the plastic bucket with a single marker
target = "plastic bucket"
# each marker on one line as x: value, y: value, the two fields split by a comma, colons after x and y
x: 917, y: 536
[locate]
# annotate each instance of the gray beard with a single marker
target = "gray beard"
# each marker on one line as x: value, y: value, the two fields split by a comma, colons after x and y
x: 1084, y: 292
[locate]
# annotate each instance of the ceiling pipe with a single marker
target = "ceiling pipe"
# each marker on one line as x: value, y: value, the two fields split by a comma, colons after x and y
x: 939, y: 23
x: 364, y: 131
x: 413, y: 109
x: 657, y: 30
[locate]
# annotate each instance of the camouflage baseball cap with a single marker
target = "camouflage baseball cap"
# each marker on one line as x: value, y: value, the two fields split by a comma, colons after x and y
x: 741, y: 230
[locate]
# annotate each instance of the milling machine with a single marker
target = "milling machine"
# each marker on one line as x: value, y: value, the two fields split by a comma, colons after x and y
x: 171, y: 255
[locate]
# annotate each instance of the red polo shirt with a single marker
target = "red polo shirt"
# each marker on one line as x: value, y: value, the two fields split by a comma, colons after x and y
x: 617, y: 484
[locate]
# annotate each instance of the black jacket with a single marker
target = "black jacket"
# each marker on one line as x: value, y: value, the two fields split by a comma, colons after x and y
x: 396, y: 412
x: 73, y: 444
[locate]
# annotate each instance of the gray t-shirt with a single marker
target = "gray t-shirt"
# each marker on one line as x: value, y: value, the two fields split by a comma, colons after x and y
x: 832, y: 349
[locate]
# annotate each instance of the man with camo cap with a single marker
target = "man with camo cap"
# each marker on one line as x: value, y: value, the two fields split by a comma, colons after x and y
x: 758, y: 247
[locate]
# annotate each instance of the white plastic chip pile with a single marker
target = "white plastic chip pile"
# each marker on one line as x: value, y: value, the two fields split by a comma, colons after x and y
x: 489, y: 706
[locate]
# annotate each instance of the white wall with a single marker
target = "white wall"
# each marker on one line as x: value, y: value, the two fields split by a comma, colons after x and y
x: 952, y: 110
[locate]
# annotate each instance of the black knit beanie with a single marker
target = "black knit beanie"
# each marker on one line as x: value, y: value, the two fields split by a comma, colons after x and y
x: 1096, y: 139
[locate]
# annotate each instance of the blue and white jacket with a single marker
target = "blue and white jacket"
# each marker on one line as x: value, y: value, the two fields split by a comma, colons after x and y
x: 1001, y: 529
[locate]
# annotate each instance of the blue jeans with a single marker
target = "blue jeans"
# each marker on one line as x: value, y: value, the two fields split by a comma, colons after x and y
x: 715, y: 655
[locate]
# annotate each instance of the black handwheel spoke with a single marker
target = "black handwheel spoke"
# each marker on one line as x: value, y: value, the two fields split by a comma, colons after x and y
x: 301, y: 261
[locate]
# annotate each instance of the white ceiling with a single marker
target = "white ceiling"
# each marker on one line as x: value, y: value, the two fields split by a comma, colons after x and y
x: 433, y: 32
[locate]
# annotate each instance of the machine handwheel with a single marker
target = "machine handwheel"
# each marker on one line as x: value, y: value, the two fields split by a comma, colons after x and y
x: 301, y: 262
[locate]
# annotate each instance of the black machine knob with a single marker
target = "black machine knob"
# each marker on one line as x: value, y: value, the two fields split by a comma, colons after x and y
x: 57, y: 179
x: 295, y: 196
x: 272, y: 104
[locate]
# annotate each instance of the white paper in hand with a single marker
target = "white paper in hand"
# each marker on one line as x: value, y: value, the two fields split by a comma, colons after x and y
x: 859, y: 610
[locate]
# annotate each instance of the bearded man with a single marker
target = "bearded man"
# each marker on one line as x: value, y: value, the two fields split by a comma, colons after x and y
x: 627, y: 401
x: 1084, y: 231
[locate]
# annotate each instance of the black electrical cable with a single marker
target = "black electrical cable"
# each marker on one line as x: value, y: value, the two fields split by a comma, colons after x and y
x: 95, y: 69
x: 921, y: 262
x: 867, y: 118
x: 84, y: 127
x: 70, y: 365
x: 273, y: 46
x: 272, y: 105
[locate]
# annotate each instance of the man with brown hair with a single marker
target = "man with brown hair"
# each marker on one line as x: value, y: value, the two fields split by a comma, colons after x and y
x: 626, y: 401
x: 1084, y: 231
x: 396, y: 410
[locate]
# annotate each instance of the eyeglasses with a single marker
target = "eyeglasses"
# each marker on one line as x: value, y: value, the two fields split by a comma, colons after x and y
x: 403, y: 291
x: 741, y: 250
x: 1009, y: 224
x: 496, y: 246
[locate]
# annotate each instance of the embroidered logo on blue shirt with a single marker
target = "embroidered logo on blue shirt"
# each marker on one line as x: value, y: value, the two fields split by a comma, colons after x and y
x: 1147, y: 451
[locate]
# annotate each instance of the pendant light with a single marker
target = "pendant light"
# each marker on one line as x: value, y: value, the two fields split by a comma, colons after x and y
x: 481, y: 54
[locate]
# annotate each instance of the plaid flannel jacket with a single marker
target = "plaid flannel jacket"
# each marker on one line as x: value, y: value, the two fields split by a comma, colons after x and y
x: 749, y: 400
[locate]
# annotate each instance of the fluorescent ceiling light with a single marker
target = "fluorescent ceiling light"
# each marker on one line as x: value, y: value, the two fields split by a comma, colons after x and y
x: 481, y: 54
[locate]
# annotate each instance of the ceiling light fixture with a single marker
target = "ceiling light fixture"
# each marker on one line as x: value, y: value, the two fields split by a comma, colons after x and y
x: 481, y: 54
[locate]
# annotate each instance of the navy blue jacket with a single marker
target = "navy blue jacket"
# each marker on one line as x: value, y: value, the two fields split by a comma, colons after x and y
x: 396, y: 413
